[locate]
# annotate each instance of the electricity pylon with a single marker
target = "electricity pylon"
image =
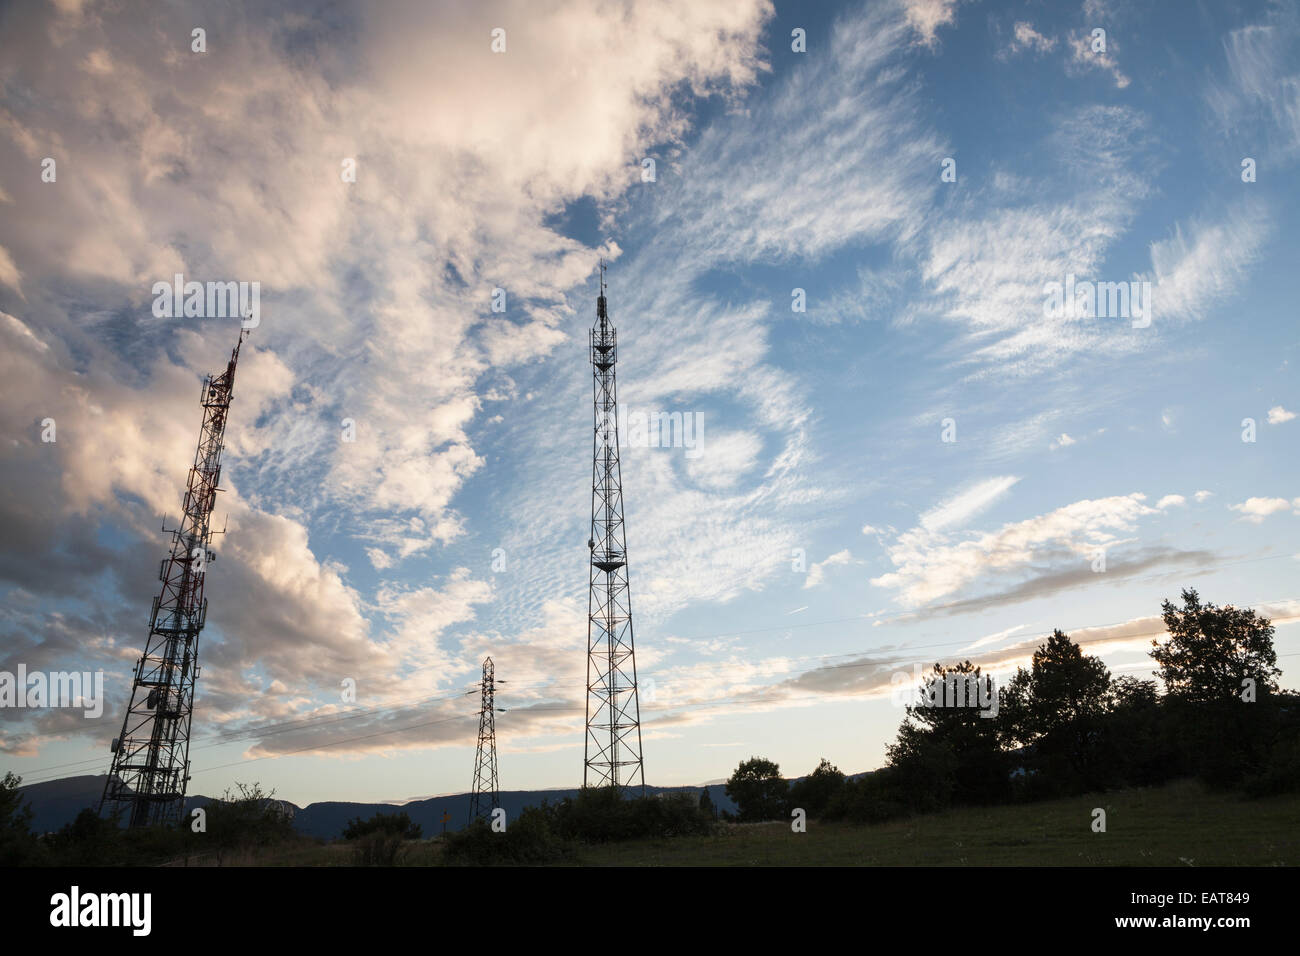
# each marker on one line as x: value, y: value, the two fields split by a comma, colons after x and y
x: 486, y: 795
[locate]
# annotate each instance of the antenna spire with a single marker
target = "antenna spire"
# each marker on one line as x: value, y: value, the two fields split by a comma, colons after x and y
x: 601, y: 311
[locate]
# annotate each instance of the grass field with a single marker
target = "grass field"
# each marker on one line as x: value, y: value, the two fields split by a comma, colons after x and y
x: 1177, y: 825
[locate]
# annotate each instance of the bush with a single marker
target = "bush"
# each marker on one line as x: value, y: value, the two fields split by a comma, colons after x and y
x: 873, y: 798
x: 393, y: 824
x: 89, y: 840
x: 529, y: 839
x: 18, y: 845
x: 1282, y: 775
x: 378, y: 848
x: 247, y: 818
x: 598, y: 815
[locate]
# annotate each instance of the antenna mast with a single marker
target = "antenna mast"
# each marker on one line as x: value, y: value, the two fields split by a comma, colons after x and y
x: 613, y: 737
x: 151, y: 767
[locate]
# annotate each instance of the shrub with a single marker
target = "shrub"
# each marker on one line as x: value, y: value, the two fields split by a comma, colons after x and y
x: 529, y: 839
x: 598, y: 815
x: 396, y: 824
x: 378, y: 848
x: 247, y: 818
x: 873, y: 798
x: 1282, y: 775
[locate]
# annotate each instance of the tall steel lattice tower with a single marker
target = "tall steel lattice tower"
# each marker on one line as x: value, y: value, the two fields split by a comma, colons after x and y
x: 613, y: 746
x: 486, y: 795
x: 151, y: 764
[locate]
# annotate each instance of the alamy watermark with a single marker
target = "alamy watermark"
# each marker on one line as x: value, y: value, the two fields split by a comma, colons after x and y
x: 210, y: 300
x: 84, y: 689
x: 924, y: 688
x: 1087, y: 300
x: 638, y: 428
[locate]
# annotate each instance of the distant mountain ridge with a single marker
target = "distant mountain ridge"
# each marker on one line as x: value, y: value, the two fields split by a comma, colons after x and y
x: 57, y: 802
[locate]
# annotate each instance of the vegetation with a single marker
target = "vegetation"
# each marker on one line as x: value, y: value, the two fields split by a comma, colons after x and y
x: 553, y: 832
x: 380, y: 841
x: 17, y: 843
x: 758, y: 790
x: 1182, y: 824
x: 398, y: 824
x: 243, y: 821
x: 1064, y: 726
x: 1005, y: 775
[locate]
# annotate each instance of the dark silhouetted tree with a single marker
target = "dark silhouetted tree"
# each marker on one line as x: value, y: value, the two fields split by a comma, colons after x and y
x: 1056, y: 708
x: 17, y: 842
x: 947, y: 749
x: 814, y: 792
x: 758, y: 790
x: 1212, y: 651
x: 706, y: 804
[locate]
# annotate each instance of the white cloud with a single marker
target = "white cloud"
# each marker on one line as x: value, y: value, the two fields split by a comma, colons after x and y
x: 1083, y: 57
x: 724, y: 458
x: 817, y: 573
x: 1205, y: 261
x: 1169, y: 501
x: 1256, y: 510
x: 994, y: 638
x: 1277, y: 415
x: 1063, y: 441
x: 1203, y: 495
x: 1258, y: 94
x: 927, y: 16
x: 988, y: 269
x: 1025, y: 37
x: 961, y: 507
x: 9, y: 274
x: 931, y: 566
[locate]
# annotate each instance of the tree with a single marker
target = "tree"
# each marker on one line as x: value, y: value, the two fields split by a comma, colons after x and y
x: 814, y: 792
x: 947, y: 748
x: 1056, y: 708
x: 17, y: 843
x: 1137, y: 743
x: 1212, y: 652
x: 758, y: 790
x: 706, y: 804
x: 1220, y: 673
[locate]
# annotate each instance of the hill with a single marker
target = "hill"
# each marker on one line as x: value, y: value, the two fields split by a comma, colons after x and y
x: 57, y: 802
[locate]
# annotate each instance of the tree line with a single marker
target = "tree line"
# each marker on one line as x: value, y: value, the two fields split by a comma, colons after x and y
x: 1065, y: 725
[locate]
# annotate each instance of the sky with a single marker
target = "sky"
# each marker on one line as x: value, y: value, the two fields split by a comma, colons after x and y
x: 833, y: 232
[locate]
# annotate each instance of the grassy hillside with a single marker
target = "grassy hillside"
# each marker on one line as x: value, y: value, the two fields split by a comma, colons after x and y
x: 1177, y: 825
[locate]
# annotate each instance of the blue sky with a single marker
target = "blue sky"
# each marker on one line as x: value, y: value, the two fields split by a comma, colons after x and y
x: 824, y: 538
